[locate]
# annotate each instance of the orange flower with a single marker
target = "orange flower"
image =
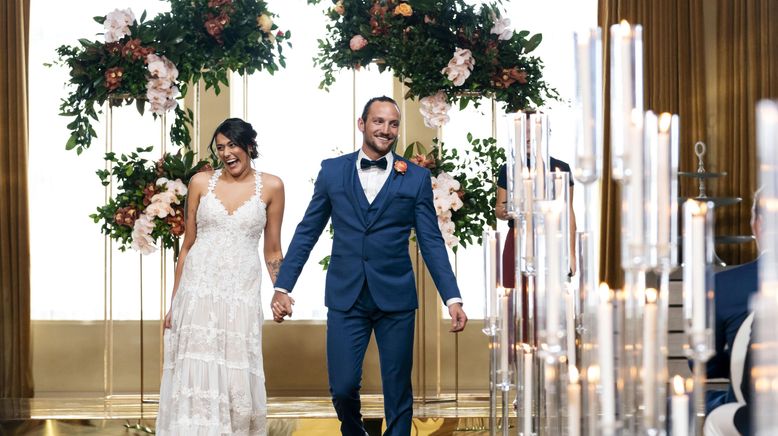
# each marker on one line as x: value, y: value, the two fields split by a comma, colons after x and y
x: 113, y: 78
x: 403, y: 9
x: 176, y: 222
x: 149, y: 191
x: 400, y: 167
x: 130, y: 47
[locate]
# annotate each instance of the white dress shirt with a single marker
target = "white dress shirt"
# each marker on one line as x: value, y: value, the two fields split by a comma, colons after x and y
x: 372, y: 180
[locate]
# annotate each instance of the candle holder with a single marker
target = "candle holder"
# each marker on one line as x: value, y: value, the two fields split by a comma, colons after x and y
x: 765, y: 346
x: 492, y: 263
x: 550, y: 279
x: 698, y: 283
x: 626, y: 94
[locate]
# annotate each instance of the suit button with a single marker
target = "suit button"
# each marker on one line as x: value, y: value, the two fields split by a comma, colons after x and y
x: 364, y: 258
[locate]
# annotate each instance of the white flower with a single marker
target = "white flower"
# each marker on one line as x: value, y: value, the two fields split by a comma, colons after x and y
x: 159, y: 208
x: 117, y: 24
x: 161, y: 67
x: 166, y: 197
x: 143, y: 243
x: 434, y: 109
x: 460, y: 66
x: 502, y: 28
x: 434, y: 183
x: 141, y: 234
x: 444, y: 217
x: 162, y: 181
x: 161, y: 91
x: 177, y: 187
x: 455, y: 202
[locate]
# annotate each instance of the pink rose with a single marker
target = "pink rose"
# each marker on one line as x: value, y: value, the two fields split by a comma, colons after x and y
x: 358, y: 42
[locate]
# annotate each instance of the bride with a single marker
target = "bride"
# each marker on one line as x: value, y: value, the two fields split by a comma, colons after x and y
x: 213, y: 380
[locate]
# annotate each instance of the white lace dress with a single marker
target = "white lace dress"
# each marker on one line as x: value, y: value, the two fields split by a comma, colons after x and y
x: 213, y: 381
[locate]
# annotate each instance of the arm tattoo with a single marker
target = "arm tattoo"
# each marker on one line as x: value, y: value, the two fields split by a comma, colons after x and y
x: 273, y: 266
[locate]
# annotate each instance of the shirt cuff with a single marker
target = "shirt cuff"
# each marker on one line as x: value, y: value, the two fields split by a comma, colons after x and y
x: 282, y: 290
x: 451, y: 301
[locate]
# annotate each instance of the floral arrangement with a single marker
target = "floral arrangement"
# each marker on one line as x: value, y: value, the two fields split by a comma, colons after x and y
x: 139, y: 61
x: 463, y: 187
x: 444, y: 51
x: 148, y: 209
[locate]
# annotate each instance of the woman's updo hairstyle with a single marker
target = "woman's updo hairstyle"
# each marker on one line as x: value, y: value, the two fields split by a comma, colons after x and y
x: 240, y: 133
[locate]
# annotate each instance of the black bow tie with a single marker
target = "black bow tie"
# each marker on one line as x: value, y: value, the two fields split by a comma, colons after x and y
x: 367, y: 163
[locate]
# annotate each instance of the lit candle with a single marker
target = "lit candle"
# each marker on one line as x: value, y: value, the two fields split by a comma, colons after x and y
x: 605, y: 354
x: 650, y: 350
x: 694, y: 259
x: 635, y: 196
x: 680, y: 408
x: 573, y: 403
x: 664, y: 179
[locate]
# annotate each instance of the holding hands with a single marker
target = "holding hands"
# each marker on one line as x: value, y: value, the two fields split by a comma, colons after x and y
x: 281, y: 305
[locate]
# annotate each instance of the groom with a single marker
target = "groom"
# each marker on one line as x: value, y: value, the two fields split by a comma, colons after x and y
x: 374, y: 198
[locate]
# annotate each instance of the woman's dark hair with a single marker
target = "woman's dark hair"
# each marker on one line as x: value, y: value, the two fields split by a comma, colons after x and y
x: 240, y: 133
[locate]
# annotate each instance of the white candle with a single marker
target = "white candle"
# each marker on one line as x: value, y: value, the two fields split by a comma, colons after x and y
x: 626, y: 90
x: 573, y: 403
x: 491, y: 259
x: 664, y: 178
x: 694, y: 260
x: 528, y: 208
x: 570, y: 325
x: 554, y: 273
x: 527, y: 390
x: 680, y: 408
x: 636, y: 199
x: 504, y: 343
x: 605, y: 355
x: 650, y: 350
x: 589, y: 105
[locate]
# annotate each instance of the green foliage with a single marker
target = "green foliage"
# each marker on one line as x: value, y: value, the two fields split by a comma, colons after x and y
x: 417, y: 47
x: 180, y: 35
x: 476, y: 171
x: 130, y: 174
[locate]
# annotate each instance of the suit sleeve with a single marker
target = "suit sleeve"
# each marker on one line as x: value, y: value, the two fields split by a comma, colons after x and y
x: 433, y: 249
x: 306, y: 235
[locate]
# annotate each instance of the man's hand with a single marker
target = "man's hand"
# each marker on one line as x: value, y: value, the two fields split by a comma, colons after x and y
x: 281, y: 305
x: 458, y: 317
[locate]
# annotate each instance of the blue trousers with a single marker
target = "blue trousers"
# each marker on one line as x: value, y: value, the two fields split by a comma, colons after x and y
x: 348, y: 334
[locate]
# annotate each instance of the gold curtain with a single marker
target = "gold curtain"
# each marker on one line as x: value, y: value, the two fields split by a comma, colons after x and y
x: 745, y: 48
x: 674, y: 81
x: 15, y: 355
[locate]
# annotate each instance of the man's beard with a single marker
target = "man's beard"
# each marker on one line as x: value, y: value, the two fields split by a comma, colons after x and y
x: 373, y: 145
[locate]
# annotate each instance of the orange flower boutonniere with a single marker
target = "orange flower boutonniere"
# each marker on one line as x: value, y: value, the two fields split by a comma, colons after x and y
x: 400, y: 167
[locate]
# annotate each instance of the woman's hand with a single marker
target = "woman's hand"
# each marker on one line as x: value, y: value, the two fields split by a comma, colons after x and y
x: 168, y: 319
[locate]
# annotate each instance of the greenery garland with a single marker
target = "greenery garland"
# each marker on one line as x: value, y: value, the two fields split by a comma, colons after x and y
x: 436, y: 45
x: 199, y: 38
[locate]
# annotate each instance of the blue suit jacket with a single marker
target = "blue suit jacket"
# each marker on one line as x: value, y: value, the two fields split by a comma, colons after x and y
x: 734, y: 288
x: 371, y: 247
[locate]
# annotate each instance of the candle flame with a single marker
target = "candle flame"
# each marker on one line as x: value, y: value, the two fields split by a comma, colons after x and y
x: 604, y: 292
x: 593, y: 374
x: 678, y: 385
x: 625, y: 29
x: 689, y: 385
x: 665, y: 119
x: 695, y: 208
x: 651, y: 296
x: 574, y: 376
x: 525, y: 173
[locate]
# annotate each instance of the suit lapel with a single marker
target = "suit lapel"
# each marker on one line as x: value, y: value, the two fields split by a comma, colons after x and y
x: 393, y: 183
x: 350, y: 182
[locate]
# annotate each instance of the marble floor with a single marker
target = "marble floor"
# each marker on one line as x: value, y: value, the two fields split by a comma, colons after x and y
x: 288, y: 416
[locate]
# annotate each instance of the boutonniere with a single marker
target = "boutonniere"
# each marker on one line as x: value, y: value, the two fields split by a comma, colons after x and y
x: 400, y: 167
